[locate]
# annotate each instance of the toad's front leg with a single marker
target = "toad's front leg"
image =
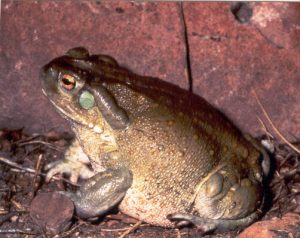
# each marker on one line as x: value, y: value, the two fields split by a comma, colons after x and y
x: 101, y: 192
x: 75, y: 164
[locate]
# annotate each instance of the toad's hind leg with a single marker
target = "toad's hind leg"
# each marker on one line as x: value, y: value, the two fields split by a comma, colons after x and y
x: 224, y: 202
x: 217, y: 225
x: 101, y: 192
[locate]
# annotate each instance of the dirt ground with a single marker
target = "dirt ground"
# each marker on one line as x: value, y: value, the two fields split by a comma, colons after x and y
x: 19, y: 185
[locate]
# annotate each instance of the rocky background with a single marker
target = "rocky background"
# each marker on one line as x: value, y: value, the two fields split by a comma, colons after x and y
x: 227, y: 51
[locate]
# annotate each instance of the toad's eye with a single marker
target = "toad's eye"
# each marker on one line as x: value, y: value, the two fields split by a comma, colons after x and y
x: 68, y: 82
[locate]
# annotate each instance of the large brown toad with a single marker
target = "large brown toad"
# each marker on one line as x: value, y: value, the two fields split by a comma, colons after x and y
x: 162, y: 153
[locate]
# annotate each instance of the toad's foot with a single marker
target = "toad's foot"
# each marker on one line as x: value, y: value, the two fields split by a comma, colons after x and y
x: 209, y: 225
x: 75, y: 169
x: 101, y: 192
x: 75, y: 164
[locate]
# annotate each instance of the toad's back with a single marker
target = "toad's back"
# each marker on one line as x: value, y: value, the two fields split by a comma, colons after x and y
x: 182, y: 147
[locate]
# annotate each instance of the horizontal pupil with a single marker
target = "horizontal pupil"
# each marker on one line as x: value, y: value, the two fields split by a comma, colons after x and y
x: 67, y: 81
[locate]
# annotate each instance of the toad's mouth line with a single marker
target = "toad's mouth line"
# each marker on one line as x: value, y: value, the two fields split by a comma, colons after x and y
x: 69, y: 116
x: 65, y: 114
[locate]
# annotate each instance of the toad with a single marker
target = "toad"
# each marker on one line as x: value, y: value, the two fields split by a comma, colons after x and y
x: 162, y: 154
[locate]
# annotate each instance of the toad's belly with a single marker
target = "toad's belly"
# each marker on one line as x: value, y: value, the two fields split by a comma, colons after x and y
x: 153, y: 207
x: 136, y: 205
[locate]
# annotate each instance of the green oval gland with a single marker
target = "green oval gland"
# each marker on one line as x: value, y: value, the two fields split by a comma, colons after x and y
x: 86, y: 100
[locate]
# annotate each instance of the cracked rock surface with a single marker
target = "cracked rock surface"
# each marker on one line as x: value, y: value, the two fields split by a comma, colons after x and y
x: 225, y: 50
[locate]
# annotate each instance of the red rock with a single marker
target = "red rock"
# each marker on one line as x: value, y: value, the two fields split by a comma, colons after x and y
x: 230, y: 60
x: 52, y: 212
x: 287, y: 226
x: 279, y: 23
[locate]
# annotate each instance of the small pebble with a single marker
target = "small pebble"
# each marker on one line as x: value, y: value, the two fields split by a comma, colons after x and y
x: 52, y: 212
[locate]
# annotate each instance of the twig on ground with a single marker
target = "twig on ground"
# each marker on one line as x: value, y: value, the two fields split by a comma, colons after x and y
x: 29, y: 138
x: 278, y: 194
x: 291, y: 173
x: 7, y: 216
x: 122, y: 217
x: 116, y: 230
x: 49, y: 145
x: 27, y: 231
x: 131, y: 229
x: 32, y: 171
x: 18, y: 205
x: 69, y: 232
x: 283, y: 160
x: 37, y: 171
x: 13, y: 164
